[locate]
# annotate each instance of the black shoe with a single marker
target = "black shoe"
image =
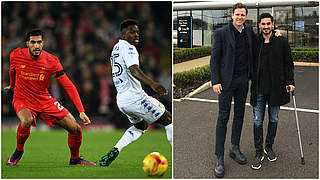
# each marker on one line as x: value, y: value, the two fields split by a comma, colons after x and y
x: 237, y: 155
x: 219, y: 168
x: 107, y: 159
x: 271, y: 156
x: 256, y: 164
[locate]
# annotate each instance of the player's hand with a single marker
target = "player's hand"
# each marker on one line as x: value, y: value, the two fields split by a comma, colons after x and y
x: 158, y: 88
x: 8, y: 87
x: 292, y: 88
x: 278, y: 33
x: 217, y: 88
x: 85, y: 118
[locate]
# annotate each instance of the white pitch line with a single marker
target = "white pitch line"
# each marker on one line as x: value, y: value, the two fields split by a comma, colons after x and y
x: 248, y: 104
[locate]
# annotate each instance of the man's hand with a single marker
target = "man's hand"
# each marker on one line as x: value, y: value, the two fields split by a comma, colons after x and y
x: 292, y: 88
x: 85, y: 118
x: 158, y: 88
x: 217, y: 88
x: 8, y: 87
x: 278, y: 33
x: 137, y: 73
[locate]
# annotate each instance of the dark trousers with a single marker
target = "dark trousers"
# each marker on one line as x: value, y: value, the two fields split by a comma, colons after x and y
x: 239, y: 90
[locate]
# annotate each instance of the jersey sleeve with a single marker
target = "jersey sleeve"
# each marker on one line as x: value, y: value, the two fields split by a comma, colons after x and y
x: 57, y: 65
x: 131, y: 56
x: 71, y: 90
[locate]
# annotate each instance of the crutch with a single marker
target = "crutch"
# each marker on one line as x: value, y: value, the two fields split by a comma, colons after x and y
x: 297, y: 120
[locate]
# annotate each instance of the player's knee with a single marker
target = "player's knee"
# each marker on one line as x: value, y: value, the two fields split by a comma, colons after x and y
x: 141, y: 125
x: 76, y: 129
x: 26, y: 121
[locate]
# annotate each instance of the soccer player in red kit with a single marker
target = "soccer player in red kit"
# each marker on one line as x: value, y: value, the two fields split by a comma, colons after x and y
x: 30, y: 72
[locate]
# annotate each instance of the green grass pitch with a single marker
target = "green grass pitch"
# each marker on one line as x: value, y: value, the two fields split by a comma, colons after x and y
x: 46, y: 155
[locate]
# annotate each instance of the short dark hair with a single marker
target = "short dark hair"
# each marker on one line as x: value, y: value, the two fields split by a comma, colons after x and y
x: 126, y: 23
x: 34, y: 32
x: 239, y: 6
x: 265, y: 15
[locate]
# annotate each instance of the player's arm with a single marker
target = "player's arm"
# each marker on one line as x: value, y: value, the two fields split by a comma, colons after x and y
x: 71, y: 90
x: 138, y: 74
x: 12, y: 75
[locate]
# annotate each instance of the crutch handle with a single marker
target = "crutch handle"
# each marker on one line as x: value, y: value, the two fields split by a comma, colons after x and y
x: 288, y: 88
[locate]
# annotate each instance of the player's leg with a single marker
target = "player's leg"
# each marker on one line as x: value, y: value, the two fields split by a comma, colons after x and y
x: 23, y: 132
x: 166, y: 120
x: 132, y: 134
x: 74, y: 138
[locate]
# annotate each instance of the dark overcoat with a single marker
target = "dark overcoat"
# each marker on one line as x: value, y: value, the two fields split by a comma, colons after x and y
x: 223, y: 55
x: 281, y: 70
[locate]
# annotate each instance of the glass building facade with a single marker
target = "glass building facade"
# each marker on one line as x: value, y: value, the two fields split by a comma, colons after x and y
x: 298, y: 23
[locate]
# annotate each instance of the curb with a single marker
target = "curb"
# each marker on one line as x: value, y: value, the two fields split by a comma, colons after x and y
x: 305, y: 64
x: 203, y: 87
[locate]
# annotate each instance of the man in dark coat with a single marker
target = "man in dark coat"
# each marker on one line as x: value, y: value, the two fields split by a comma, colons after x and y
x: 231, y: 64
x: 272, y: 81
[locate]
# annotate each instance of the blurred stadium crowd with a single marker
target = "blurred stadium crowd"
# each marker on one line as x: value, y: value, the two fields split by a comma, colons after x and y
x: 82, y: 35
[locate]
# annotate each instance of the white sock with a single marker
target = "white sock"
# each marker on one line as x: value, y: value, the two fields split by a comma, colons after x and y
x: 128, y: 137
x: 169, y: 132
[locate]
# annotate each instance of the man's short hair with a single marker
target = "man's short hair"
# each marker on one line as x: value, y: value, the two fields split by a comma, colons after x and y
x: 265, y: 15
x: 126, y: 23
x: 239, y: 6
x: 34, y: 32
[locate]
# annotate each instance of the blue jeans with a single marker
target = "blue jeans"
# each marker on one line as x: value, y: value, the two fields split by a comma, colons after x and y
x: 238, y: 90
x: 258, y: 112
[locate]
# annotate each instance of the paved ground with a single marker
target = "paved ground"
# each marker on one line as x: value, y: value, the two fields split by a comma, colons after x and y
x: 194, y: 136
x: 188, y: 65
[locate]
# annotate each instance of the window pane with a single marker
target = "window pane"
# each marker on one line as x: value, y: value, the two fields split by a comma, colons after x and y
x: 305, y: 26
x: 283, y: 21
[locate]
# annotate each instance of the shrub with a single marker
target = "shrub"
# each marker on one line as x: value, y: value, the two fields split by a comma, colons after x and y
x: 185, y: 54
x: 182, y: 79
x: 304, y: 49
x: 306, y: 56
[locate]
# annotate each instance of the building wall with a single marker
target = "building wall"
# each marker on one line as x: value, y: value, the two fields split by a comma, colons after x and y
x: 299, y: 24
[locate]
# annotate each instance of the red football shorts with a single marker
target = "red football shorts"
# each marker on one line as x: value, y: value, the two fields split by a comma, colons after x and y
x: 51, y: 111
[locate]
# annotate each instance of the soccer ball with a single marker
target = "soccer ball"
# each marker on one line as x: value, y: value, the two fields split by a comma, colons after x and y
x: 155, y: 164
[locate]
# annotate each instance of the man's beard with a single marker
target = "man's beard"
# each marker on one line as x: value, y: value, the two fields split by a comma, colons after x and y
x: 33, y: 54
x: 267, y: 32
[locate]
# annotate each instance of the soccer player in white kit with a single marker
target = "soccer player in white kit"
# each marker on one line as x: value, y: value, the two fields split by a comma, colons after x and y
x: 140, y: 108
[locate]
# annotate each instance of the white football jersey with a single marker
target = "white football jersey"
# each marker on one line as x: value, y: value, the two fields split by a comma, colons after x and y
x: 128, y: 87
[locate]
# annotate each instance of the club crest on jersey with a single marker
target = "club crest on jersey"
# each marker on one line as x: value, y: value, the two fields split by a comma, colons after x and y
x: 160, y: 105
x: 43, y: 68
x: 41, y: 77
x: 23, y: 66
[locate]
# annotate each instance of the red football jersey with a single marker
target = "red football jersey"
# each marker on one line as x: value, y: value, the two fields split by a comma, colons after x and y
x: 31, y: 77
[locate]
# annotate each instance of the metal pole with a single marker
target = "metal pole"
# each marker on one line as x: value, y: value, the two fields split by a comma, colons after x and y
x: 298, y: 128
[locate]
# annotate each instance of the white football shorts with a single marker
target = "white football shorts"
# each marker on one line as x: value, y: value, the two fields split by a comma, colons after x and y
x: 148, y: 109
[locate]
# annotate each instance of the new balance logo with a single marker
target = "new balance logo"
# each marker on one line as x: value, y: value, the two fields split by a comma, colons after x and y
x: 131, y: 133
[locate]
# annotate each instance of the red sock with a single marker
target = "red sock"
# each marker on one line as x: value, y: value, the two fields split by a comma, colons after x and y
x: 74, y: 142
x: 22, y: 136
